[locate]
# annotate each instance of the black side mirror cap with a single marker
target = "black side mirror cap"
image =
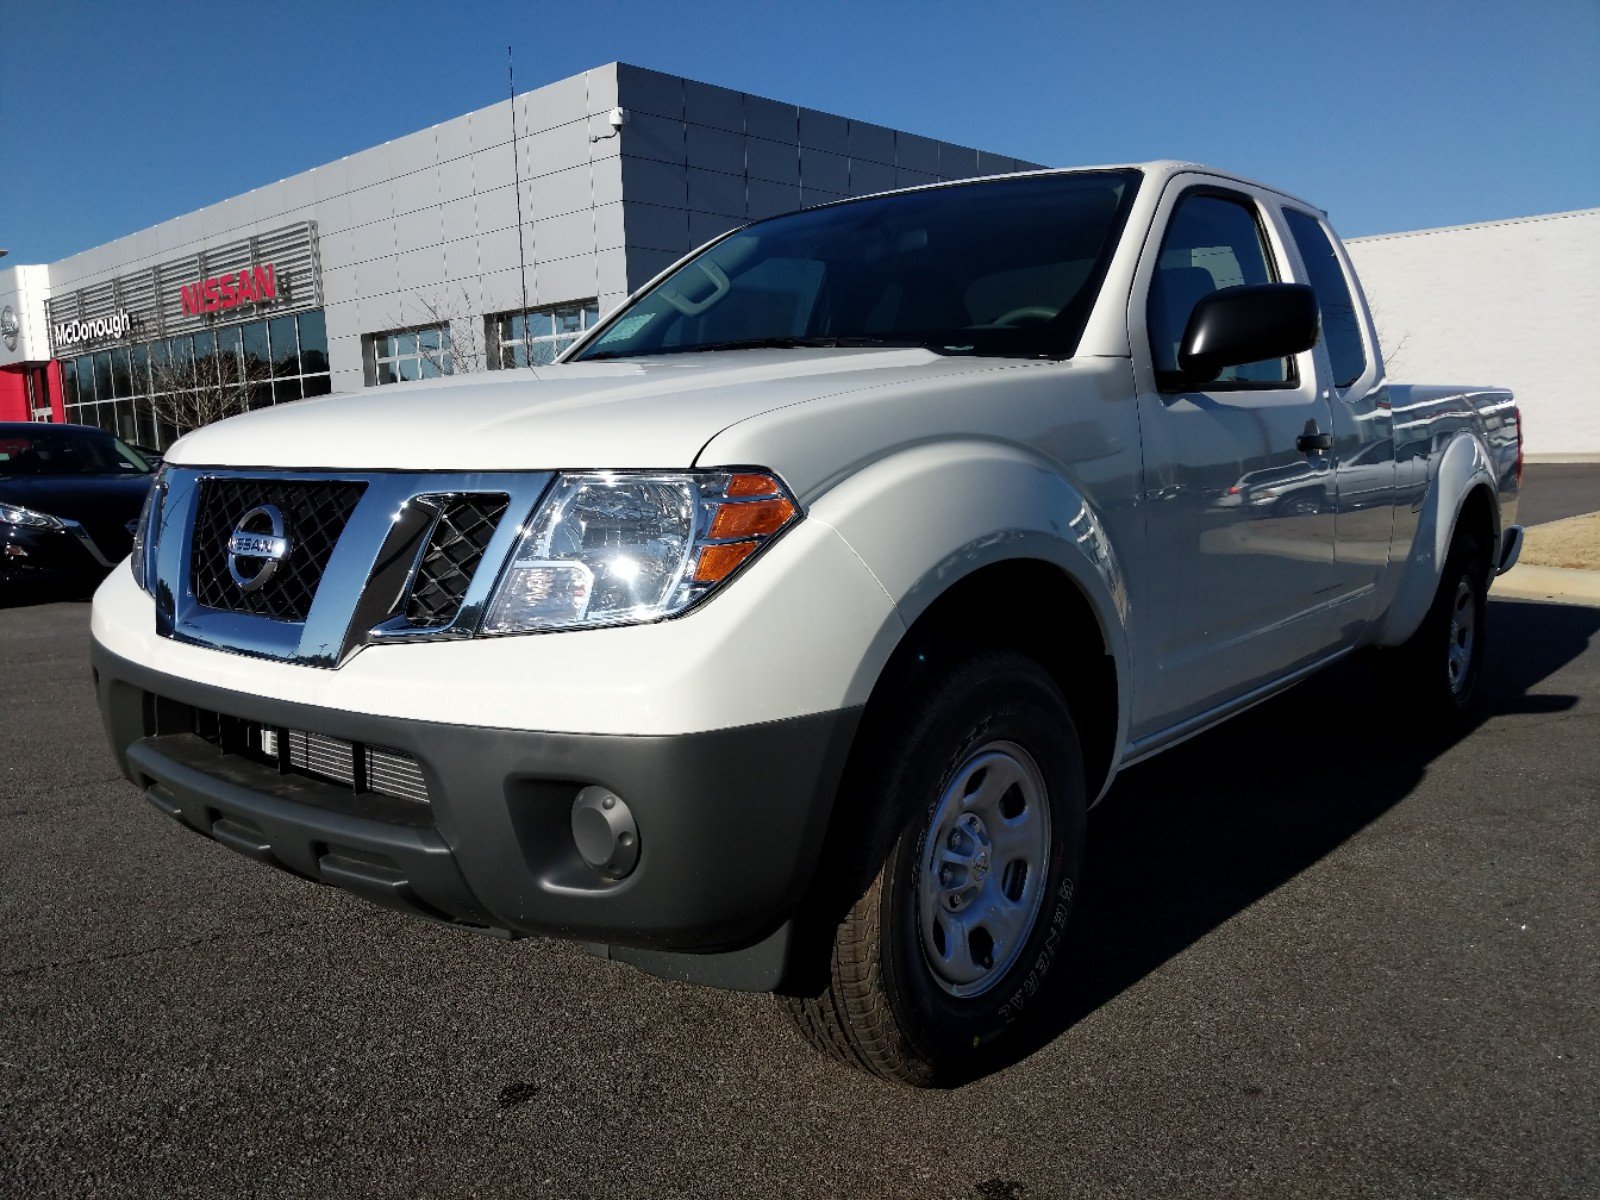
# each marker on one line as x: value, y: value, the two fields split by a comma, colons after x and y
x: 1245, y: 324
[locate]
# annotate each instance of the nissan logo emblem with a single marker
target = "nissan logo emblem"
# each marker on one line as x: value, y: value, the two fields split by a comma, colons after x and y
x: 257, y: 547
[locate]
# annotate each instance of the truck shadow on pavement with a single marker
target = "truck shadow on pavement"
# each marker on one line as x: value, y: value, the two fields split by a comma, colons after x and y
x: 1188, y: 840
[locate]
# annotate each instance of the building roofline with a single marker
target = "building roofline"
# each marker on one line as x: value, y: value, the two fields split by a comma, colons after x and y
x: 1529, y: 220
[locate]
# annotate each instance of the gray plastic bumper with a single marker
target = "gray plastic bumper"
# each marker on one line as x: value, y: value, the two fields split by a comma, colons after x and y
x: 730, y: 822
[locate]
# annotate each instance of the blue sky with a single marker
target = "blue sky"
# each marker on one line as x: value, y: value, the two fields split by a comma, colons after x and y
x: 1392, y: 114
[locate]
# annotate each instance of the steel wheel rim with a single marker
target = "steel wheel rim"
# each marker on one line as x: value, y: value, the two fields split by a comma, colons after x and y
x: 1463, y: 635
x: 984, y: 866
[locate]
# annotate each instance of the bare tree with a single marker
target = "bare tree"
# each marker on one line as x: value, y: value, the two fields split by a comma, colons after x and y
x: 464, y: 349
x: 1392, y: 348
x: 192, y: 392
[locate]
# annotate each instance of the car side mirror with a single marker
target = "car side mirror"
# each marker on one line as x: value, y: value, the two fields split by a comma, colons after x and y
x: 1245, y: 324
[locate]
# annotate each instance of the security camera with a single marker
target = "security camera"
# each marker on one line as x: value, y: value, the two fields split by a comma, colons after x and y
x: 616, y: 118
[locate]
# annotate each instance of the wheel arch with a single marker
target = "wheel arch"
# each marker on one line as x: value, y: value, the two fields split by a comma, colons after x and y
x: 1062, y: 632
x: 1461, y: 496
x: 985, y: 544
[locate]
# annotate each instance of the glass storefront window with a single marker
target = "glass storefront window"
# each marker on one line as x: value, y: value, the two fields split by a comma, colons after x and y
x: 121, y: 382
x: 205, y: 358
x: 285, y: 347
x: 139, y: 358
x: 255, y: 345
x: 102, y: 375
x: 118, y: 389
x: 313, y: 342
x: 228, y: 343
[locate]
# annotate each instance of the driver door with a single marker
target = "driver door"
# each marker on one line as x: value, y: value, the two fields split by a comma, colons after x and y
x: 1238, y: 490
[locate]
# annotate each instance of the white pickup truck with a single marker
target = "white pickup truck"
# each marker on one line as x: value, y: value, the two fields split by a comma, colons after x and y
x: 781, y: 634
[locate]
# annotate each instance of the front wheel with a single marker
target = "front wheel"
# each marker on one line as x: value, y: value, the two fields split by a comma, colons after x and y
x: 979, y: 787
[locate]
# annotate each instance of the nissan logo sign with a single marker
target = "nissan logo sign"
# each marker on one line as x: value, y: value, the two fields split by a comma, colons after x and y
x: 9, y: 327
x: 257, y: 547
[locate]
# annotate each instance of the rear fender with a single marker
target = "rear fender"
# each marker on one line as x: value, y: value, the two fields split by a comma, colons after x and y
x: 1463, y: 463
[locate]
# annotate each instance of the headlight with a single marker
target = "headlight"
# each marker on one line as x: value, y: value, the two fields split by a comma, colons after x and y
x: 144, y: 535
x: 15, y: 514
x: 619, y: 549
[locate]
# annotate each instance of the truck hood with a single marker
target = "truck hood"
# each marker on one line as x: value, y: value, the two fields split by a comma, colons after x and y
x: 634, y: 413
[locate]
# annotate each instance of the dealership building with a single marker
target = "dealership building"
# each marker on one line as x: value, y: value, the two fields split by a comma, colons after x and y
x: 491, y: 241
x: 434, y: 253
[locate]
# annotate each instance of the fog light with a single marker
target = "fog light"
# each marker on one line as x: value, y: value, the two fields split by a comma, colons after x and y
x: 605, y: 832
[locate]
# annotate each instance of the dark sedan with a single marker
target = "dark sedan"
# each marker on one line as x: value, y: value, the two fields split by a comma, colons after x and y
x: 70, y: 496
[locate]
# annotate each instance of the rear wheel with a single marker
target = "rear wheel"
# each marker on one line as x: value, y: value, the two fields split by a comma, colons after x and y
x: 979, y: 789
x: 1442, y: 661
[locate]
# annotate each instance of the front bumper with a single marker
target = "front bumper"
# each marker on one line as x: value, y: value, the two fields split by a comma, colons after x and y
x: 26, y: 552
x: 730, y: 821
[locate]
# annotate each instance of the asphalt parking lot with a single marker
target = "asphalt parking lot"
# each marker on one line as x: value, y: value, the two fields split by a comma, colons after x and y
x: 1316, y: 955
x: 1552, y: 491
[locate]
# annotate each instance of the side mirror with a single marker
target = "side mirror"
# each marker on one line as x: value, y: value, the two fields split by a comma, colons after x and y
x: 1245, y: 324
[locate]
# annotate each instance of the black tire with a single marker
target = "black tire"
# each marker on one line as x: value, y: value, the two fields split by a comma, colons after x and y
x: 1440, y: 664
x: 884, y: 1009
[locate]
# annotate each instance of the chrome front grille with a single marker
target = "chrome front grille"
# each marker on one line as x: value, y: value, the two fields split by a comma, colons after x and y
x: 314, y: 514
x: 368, y: 557
x: 455, y: 548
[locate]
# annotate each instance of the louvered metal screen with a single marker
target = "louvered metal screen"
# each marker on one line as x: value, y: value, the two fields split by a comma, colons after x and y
x: 153, y: 299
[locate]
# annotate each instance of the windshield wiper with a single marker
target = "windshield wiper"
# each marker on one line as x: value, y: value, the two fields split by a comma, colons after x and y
x: 768, y: 343
x: 799, y: 343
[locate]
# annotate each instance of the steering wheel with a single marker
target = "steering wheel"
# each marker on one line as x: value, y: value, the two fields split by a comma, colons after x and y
x: 1028, y: 314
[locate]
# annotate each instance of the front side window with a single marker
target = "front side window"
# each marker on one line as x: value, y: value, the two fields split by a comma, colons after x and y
x: 409, y: 354
x: 537, y: 336
x: 1341, y: 328
x: 1007, y: 267
x: 1212, y: 242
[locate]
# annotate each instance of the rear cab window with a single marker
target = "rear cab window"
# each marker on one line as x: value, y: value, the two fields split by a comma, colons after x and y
x: 1341, y: 324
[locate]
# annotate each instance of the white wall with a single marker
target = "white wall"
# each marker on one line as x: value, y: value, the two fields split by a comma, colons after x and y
x: 1509, y: 303
x: 24, y: 289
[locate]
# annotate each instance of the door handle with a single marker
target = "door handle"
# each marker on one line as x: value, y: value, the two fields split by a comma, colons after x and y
x: 1312, y: 442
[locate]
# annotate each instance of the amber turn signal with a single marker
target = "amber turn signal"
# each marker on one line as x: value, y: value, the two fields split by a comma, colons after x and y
x: 753, y: 518
x: 718, y: 562
x: 747, y: 484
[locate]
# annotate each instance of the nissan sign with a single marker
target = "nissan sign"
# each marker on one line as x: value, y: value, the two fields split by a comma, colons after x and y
x: 253, y: 285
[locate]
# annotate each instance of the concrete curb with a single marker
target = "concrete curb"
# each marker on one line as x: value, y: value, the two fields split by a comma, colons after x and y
x: 1565, y: 584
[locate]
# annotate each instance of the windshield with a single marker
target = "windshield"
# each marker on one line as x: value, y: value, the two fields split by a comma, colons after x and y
x: 1001, y: 267
x: 52, y: 450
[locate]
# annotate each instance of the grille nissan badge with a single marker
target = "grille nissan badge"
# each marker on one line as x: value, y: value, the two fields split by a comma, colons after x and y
x: 258, y: 541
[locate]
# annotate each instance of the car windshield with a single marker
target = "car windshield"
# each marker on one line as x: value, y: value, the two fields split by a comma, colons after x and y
x: 999, y: 267
x: 52, y: 450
